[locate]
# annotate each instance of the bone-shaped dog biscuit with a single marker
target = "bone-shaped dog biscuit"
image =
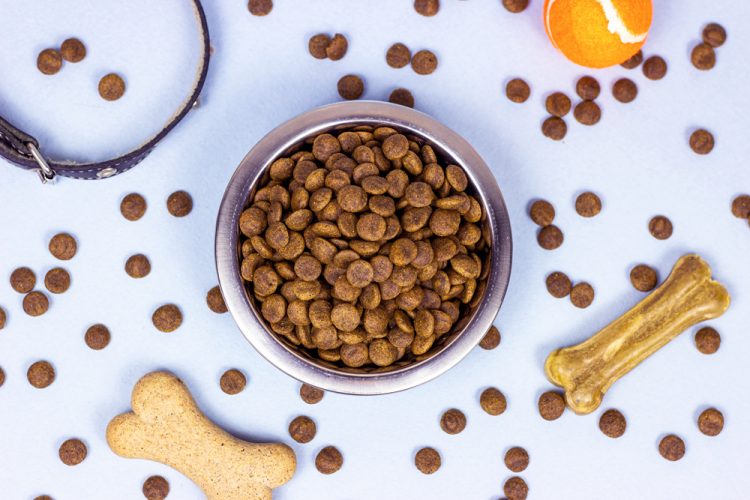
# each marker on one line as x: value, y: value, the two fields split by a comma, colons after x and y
x: 167, y: 426
x: 586, y: 371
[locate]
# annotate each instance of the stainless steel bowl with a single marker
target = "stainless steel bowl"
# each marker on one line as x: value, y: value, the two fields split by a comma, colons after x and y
x: 287, y: 138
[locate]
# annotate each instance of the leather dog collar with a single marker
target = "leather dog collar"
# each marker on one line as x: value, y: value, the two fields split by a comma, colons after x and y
x: 23, y: 150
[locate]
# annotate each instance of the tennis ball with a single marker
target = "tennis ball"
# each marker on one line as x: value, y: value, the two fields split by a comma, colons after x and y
x: 598, y: 33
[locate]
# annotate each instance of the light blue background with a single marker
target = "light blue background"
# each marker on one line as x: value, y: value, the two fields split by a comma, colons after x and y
x: 637, y: 159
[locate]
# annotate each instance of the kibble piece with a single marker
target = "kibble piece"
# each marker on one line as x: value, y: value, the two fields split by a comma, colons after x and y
x: 3, y: 318
x: 232, y: 381
x: 427, y: 460
x: 427, y: 8
x: 612, y: 423
x: 558, y: 104
x: 550, y: 237
x: 711, y: 422
x: 453, y: 421
x: 167, y: 318
x: 587, y: 113
x: 111, y: 87
x: 741, y: 207
x: 260, y: 7
x: 456, y: 177
x: 655, y: 68
x: 542, y: 213
x: 180, y: 203
x: 302, y: 429
x: 351, y: 87
x: 215, y: 300
x: 491, y: 339
x: 2, y: 377
x: 49, y: 61
x: 310, y: 395
x: 582, y: 295
x: 516, y: 488
x: 625, y: 90
x: 318, y: 45
x: 424, y: 62
x: 634, y: 61
x: 155, y: 488
x: 35, y: 304
x: 714, y: 35
x: 707, y: 340
x: 672, y: 448
x: 558, y: 285
x: 73, y: 50
x: 360, y: 273
x: 329, y: 460
x: 63, y: 246
x: 588, y: 204
x: 72, y: 452
x: 402, y: 96
x: 643, y: 278
x: 137, y: 266
x: 398, y: 56
x: 517, y: 90
x: 515, y: 6
x: 702, y: 142
x: 660, y: 227
x: 493, y: 401
x: 371, y: 227
x: 133, y: 206
x: 551, y: 405
x: 23, y: 280
x: 517, y: 459
x: 97, y: 337
x: 588, y: 88
x: 703, y: 57
x: 41, y: 374
x: 57, y: 280
x: 336, y: 50
x: 554, y: 128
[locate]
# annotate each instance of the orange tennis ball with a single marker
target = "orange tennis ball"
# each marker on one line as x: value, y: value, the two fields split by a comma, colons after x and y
x: 598, y: 33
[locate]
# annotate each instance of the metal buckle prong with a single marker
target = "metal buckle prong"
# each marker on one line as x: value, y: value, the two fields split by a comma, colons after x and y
x: 46, y: 174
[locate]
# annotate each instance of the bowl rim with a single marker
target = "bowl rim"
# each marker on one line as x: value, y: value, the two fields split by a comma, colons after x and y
x: 320, y: 120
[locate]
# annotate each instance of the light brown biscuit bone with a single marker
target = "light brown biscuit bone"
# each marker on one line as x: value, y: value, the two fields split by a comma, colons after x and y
x: 167, y: 426
x: 586, y: 371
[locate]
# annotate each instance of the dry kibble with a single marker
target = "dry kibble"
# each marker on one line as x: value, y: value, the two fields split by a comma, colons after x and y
x: 41, y: 374
x: 702, y: 142
x: 49, y: 61
x: 403, y: 97
x: 310, y: 395
x: 714, y: 35
x: 3, y: 318
x: 63, y: 246
x: 318, y: 45
x: 427, y: 460
x: 57, y: 280
x: 179, y: 203
x: 588, y: 204
x: 634, y: 61
x: 517, y: 459
x: 711, y: 422
x: 35, y: 303
x: 167, y: 318
x: 517, y: 90
x: 137, y: 266
x: 329, y: 460
x: 625, y: 90
x: 73, y: 50
x: 97, y: 337
x: 351, y: 87
x: 516, y: 488
x: 491, y: 339
x: 612, y: 423
x: 703, y: 57
x: 427, y: 8
x: 587, y: 113
x: 582, y: 295
x: 2, y: 376
x: 558, y: 104
x: 493, y: 401
x: 660, y: 227
x: 73, y: 452
x: 741, y: 207
x: 707, y: 340
x: 424, y: 62
x: 588, y: 88
x: 558, y: 285
x: 302, y: 429
x: 398, y: 56
x: 643, y: 278
x: 232, y: 382
x: 554, y: 128
x: 23, y: 280
x: 336, y: 50
x: 550, y: 237
x: 111, y: 87
x: 133, y: 206
x: 542, y: 213
x: 655, y: 68
x: 215, y: 300
x: 672, y: 448
x: 155, y: 488
x: 551, y: 405
x: 515, y: 6
x: 260, y: 7
x: 453, y: 421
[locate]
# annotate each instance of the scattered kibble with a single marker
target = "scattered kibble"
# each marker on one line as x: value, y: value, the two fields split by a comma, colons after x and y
x: 424, y: 62
x: 491, y: 339
x: 97, y: 337
x: 660, y: 227
x: 398, y: 56
x: 260, y: 7
x: 702, y: 142
x: 588, y: 88
x: 49, y: 61
x: 515, y: 488
x: 137, y: 266
x: 133, y: 206
x: 741, y: 206
x: 351, y: 87
x: 215, y: 300
x: 542, y: 213
x: 707, y: 340
x: 672, y: 447
x: 111, y: 87
x: 655, y: 68
x: 3, y: 318
x: 453, y: 421
x: 711, y: 422
x: 318, y: 45
x: 643, y: 278
x: 302, y: 429
x: 73, y: 50
x: 517, y: 459
x: 167, y: 318
x: 336, y: 50
x: 63, y: 246
x: 180, y: 203
x: 634, y: 61
x: 73, y: 452
x: 587, y: 113
x: 550, y: 237
x: 703, y: 57
x: 427, y: 8
x: 493, y: 401
x: 403, y: 97
x: 233, y: 381
x: 329, y: 460
x: 517, y: 90
x: 558, y: 104
x: 427, y: 460
x: 551, y: 405
x: 714, y: 35
x: 57, y: 280
x: 155, y: 488
x: 515, y: 6
x: 612, y: 423
x: 23, y: 280
x: 2, y: 376
x: 40, y: 374
x: 35, y: 303
x: 555, y: 128
x: 588, y: 204
x: 625, y: 90
x: 558, y: 285
x: 582, y: 295
x: 310, y: 395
